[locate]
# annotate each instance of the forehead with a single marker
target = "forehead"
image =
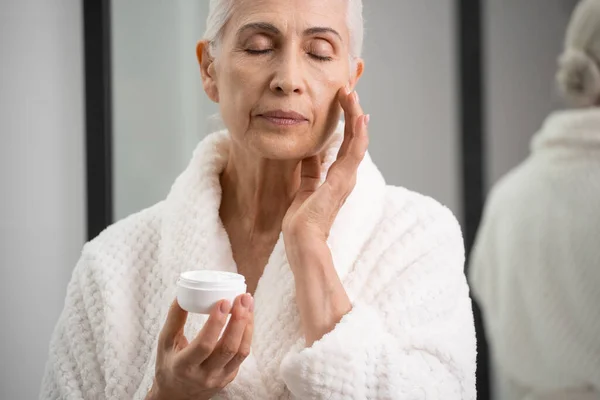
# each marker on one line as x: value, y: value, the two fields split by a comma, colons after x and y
x: 291, y: 15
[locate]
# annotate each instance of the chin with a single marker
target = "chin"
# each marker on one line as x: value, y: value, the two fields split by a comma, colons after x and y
x: 289, y: 143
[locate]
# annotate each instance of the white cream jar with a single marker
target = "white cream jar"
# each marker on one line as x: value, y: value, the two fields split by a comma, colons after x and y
x: 199, y: 291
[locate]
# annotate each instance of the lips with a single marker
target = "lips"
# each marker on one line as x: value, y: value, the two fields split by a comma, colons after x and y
x: 284, y: 115
x: 283, y: 118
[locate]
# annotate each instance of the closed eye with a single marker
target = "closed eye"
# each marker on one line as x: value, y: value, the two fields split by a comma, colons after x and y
x: 267, y: 51
x: 262, y: 51
x: 320, y: 58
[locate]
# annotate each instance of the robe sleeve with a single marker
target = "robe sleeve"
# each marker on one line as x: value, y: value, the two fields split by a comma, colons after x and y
x: 413, y: 338
x: 73, y: 370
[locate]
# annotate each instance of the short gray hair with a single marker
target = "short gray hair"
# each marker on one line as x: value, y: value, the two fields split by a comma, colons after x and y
x: 220, y: 11
x: 578, y: 75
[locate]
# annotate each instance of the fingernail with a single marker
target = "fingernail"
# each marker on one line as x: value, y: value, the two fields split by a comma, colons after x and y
x: 367, y: 118
x: 357, y: 98
x: 246, y: 301
x: 251, y: 308
x: 224, y: 307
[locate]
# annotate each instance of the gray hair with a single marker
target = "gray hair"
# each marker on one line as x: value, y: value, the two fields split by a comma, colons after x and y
x: 220, y: 11
x: 578, y: 75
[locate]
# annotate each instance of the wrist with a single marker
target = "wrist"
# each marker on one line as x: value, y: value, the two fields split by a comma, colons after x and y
x: 300, y: 235
x: 306, y: 253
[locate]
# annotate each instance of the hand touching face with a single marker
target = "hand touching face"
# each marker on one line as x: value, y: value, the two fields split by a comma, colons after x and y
x: 311, y: 215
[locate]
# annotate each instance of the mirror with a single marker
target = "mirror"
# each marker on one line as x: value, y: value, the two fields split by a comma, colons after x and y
x: 532, y: 263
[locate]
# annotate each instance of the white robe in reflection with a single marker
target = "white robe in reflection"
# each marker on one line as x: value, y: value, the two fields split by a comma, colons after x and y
x: 535, y: 267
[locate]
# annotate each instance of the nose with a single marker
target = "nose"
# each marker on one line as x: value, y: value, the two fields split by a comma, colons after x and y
x: 288, y: 77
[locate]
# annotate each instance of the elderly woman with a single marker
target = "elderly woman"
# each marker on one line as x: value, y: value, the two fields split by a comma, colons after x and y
x: 356, y: 289
x: 535, y: 265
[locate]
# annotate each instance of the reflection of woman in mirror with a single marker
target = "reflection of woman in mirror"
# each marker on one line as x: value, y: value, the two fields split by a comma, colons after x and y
x: 356, y: 289
x: 535, y: 267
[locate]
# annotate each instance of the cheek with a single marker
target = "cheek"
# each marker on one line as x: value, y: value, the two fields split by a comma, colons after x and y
x: 238, y: 88
x: 325, y: 96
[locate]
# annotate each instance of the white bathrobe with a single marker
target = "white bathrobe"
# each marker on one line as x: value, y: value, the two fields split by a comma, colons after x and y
x: 410, y: 334
x: 535, y: 267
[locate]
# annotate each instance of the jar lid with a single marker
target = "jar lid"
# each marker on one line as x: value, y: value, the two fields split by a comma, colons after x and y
x: 208, y: 279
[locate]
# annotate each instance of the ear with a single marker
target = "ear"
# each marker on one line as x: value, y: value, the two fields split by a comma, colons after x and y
x: 207, y: 70
x: 360, y: 67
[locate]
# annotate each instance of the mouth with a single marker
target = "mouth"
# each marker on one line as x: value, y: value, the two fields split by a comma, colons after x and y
x: 283, y: 118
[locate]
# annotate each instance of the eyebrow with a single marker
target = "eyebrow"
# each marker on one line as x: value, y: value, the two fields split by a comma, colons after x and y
x: 265, y: 26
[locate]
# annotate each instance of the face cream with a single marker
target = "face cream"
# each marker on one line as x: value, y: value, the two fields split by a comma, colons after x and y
x: 199, y: 291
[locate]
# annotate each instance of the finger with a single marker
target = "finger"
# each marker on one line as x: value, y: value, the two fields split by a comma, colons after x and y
x: 357, y: 147
x: 173, y: 326
x: 244, y: 349
x: 310, y: 175
x: 342, y: 174
x: 228, y: 347
x: 205, y: 341
x: 352, y: 110
x: 344, y: 97
x: 355, y: 150
x: 350, y: 103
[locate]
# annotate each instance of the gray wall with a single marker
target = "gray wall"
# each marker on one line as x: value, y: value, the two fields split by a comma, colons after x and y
x: 522, y: 42
x: 159, y: 109
x: 161, y: 112
x: 410, y: 89
x: 41, y: 176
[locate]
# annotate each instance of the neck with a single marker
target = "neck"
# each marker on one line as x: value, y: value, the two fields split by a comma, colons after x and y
x: 256, y: 193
